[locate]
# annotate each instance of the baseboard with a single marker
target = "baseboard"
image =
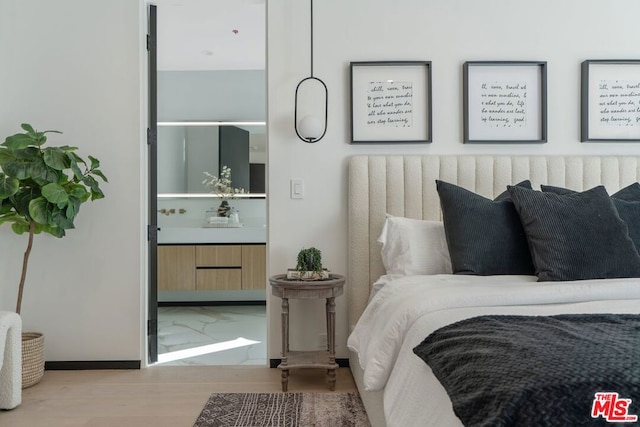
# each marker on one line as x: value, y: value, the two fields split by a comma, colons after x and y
x: 78, y: 365
x: 208, y: 303
x: 343, y: 363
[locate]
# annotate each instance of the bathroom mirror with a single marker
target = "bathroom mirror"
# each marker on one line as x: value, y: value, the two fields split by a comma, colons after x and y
x: 188, y: 149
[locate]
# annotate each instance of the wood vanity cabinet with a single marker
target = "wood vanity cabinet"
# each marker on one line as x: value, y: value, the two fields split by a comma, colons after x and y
x: 176, y: 267
x: 211, y: 267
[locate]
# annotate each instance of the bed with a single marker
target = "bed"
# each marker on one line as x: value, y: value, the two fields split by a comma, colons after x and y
x: 390, y: 315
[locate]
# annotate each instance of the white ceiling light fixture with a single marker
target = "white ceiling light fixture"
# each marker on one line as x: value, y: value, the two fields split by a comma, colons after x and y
x: 311, y: 128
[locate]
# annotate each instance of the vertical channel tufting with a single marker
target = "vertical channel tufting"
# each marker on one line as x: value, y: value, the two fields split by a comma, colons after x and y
x: 413, y: 187
x: 378, y: 209
x: 502, y: 173
x: 521, y: 170
x: 466, y: 174
x: 449, y: 169
x: 628, y: 171
x: 610, y: 177
x: 539, y: 172
x: 574, y: 178
x: 395, y: 186
x: 430, y: 199
x: 359, y: 235
x: 557, y: 171
x: 592, y: 172
x: 484, y: 176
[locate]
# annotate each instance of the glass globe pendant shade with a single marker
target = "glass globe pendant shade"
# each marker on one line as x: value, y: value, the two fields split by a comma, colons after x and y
x: 310, y: 128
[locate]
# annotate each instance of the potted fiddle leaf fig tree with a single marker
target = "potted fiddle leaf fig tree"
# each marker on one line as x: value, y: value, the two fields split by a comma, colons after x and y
x: 41, y: 190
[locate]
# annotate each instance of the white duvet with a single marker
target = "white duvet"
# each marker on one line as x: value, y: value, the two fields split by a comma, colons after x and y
x: 406, y: 310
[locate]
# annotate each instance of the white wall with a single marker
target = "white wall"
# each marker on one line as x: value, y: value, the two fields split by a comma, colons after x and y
x: 74, y: 65
x: 448, y: 33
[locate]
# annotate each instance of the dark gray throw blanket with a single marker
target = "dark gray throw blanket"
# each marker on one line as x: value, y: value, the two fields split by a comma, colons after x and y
x: 536, y: 370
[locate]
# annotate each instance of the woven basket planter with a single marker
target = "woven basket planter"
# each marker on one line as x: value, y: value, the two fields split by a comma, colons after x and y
x: 32, y: 358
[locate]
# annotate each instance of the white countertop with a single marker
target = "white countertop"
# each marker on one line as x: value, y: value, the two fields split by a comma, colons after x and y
x: 246, y: 234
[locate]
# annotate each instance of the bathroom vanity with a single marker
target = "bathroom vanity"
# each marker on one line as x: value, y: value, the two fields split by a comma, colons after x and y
x: 201, y: 263
x: 213, y: 267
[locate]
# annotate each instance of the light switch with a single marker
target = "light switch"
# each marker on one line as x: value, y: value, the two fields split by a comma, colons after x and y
x: 297, y: 189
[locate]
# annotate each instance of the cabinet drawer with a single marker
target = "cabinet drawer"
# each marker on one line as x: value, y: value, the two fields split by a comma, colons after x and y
x: 176, y: 266
x: 219, y: 256
x: 254, y: 267
x: 218, y: 279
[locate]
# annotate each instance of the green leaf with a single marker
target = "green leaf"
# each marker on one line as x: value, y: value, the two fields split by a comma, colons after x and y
x: 79, y: 192
x: 42, y: 174
x: 59, y: 219
x: 77, y: 173
x: 73, y: 207
x: 73, y: 156
x: 19, y: 141
x: 19, y: 170
x: 53, y: 230
x: 67, y: 148
x: 8, y: 186
x: 99, y: 173
x: 6, y: 156
x: 27, y: 127
x: 55, y: 193
x: 20, y: 228
x: 91, y: 182
x: 22, y: 199
x: 56, y: 158
x: 39, y: 210
x: 11, y: 217
x: 5, y: 208
x: 27, y: 153
x: 95, y: 163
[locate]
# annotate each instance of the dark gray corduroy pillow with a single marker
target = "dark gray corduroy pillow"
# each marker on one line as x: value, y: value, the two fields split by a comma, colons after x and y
x: 630, y: 193
x: 484, y: 236
x: 575, y: 236
x: 627, y: 203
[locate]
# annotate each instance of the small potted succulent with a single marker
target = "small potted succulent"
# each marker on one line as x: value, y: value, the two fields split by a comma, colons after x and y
x: 309, y: 266
x: 41, y: 190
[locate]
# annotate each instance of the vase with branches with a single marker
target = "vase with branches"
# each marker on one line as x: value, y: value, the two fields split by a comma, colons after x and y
x: 222, y: 186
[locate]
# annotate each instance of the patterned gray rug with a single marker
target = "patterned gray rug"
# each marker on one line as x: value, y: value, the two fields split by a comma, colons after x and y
x: 283, y: 410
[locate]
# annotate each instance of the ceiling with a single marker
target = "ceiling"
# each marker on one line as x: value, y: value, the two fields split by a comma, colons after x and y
x: 211, y: 34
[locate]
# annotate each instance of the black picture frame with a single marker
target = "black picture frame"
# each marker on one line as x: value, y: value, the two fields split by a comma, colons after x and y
x: 504, y: 102
x: 610, y: 100
x: 391, y: 102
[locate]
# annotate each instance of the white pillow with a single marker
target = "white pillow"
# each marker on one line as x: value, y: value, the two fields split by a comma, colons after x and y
x: 414, y: 246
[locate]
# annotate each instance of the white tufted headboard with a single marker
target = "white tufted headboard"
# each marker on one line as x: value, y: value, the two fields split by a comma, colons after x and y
x: 405, y: 186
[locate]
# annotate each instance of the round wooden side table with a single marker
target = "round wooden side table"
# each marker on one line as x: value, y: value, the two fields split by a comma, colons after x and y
x: 308, y: 289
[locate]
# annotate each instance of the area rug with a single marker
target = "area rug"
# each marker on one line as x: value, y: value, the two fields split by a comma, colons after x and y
x: 283, y: 410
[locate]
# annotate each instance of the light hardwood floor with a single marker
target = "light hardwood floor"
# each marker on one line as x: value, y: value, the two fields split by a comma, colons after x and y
x: 159, y: 396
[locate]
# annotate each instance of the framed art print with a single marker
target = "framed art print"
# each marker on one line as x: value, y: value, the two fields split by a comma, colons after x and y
x: 610, y: 100
x: 391, y: 102
x: 505, y: 102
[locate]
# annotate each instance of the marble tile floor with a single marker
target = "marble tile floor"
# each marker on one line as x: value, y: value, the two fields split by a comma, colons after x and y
x: 212, y: 335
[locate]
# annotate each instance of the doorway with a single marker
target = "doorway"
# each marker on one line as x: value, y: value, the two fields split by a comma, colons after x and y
x: 209, y: 277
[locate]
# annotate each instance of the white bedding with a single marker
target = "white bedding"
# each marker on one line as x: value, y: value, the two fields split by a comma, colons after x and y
x: 404, y: 311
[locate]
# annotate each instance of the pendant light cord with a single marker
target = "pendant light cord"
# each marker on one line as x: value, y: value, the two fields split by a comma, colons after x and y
x: 311, y: 26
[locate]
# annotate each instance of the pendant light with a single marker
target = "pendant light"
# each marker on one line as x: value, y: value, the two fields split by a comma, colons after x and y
x: 311, y: 128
